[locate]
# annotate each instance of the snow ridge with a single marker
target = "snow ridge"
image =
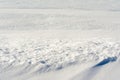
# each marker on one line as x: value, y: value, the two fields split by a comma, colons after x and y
x: 54, y: 54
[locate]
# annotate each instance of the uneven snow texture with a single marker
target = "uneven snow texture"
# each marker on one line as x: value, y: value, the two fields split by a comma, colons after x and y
x: 59, y: 59
x: 54, y: 54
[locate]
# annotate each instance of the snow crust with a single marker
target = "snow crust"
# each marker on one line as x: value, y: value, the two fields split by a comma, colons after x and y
x: 50, y: 55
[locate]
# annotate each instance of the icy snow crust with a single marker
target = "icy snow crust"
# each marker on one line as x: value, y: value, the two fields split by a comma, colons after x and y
x: 50, y: 55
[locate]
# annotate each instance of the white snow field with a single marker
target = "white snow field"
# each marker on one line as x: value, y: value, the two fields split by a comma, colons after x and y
x: 62, y: 4
x: 38, y: 44
x: 59, y: 40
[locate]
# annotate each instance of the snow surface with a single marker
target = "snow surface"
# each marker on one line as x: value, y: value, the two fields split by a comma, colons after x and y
x: 59, y: 39
x: 34, y: 58
x: 55, y: 54
x: 58, y: 19
x: 62, y: 4
x: 53, y: 50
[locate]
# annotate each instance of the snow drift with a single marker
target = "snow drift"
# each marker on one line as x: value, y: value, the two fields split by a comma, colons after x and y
x: 30, y: 57
x: 59, y: 39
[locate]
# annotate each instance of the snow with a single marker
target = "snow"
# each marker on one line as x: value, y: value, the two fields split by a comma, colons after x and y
x: 55, y: 54
x: 107, y: 71
x: 35, y: 56
x: 62, y: 4
x: 58, y: 19
x: 59, y: 39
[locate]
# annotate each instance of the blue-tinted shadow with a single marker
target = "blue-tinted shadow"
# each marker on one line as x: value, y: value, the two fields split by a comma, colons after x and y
x: 105, y: 61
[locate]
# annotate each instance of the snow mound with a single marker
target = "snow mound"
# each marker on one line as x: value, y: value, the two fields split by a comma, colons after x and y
x: 50, y: 55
